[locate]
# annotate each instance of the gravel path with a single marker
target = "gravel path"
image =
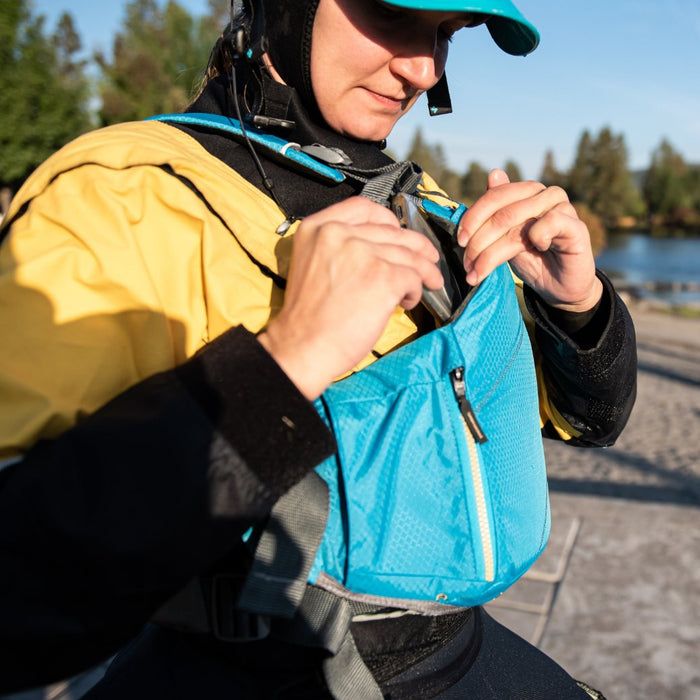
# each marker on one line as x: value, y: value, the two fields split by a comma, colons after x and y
x: 657, y: 457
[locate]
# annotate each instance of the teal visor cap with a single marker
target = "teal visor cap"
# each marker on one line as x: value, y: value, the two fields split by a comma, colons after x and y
x: 509, y: 29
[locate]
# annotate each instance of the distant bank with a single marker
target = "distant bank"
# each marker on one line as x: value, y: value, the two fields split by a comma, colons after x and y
x: 664, y: 272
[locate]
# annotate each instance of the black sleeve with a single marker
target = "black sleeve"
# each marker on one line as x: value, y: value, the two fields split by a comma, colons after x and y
x: 101, y: 526
x: 589, y: 365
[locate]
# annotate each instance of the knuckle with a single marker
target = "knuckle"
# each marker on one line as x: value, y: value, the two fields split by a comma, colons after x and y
x: 536, y: 186
x: 503, y: 218
x: 558, y: 192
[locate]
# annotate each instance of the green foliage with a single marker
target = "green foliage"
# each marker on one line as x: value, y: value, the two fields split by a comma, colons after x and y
x: 669, y: 186
x: 43, y: 90
x: 474, y: 183
x: 218, y: 15
x: 600, y: 177
x: 158, y: 60
x: 550, y: 174
x: 430, y: 158
x: 433, y: 161
x: 596, y: 230
x: 512, y: 170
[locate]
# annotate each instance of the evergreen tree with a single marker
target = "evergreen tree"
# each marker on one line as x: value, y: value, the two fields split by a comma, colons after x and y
x: 430, y: 158
x: 582, y: 171
x: 693, y: 183
x: 451, y: 182
x: 512, y: 169
x: 474, y: 183
x: 43, y: 90
x: 600, y: 177
x: 158, y: 59
x: 550, y: 174
x: 667, y: 185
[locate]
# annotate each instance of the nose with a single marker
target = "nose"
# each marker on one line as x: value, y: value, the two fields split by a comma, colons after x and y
x: 421, y: 65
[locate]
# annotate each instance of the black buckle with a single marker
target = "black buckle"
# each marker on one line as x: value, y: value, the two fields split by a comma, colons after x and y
x: 229, y: 623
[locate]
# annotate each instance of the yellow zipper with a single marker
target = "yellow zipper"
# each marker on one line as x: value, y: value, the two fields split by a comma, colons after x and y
x: 474, y: 434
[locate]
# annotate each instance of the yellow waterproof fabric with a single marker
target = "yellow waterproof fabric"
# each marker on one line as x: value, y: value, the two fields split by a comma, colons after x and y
x: 115, y: 270
x: 118, y: 270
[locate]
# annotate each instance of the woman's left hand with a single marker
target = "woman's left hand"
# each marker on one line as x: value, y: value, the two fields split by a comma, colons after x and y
x: 537, y: 230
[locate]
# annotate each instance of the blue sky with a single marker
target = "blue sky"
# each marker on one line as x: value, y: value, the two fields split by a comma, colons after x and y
x: 632, y: 65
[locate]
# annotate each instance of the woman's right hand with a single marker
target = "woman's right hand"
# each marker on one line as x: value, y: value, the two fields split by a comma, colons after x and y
x: 352, y: 265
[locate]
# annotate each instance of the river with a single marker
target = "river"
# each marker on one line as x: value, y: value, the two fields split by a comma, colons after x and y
x: 666, y: 269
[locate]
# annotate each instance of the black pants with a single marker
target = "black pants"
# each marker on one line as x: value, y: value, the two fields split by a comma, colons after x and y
x: 484, y: 660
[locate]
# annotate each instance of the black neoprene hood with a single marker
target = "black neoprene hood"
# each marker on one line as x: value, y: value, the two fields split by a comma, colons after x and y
x: 288, y: 30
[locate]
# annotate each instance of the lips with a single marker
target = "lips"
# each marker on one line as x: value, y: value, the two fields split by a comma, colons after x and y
x: 390, y: 100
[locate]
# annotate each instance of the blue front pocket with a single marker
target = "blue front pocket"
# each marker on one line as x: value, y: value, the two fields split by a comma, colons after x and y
x: 419, y: 508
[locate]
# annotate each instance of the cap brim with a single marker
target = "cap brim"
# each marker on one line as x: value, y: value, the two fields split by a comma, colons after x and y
x: 509, y: 29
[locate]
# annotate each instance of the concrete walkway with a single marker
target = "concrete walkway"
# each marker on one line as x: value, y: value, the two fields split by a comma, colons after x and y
x: 615, y: 598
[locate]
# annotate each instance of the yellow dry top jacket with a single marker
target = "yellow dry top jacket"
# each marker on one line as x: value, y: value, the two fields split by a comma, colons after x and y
x: 128, y: 251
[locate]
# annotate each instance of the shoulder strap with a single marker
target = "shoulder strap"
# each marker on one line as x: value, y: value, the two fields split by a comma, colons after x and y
x: 273, y: 144
x: 286, y: 550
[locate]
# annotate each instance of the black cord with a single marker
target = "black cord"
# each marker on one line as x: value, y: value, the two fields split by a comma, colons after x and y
x: 267, y: 181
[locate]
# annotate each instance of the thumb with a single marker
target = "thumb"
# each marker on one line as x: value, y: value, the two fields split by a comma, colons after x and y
x: 497, y: 177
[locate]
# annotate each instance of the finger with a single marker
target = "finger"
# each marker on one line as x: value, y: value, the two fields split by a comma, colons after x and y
x: 400, y: 256
x: 354, y: 211
x: 513, y: 215
x: 560, y: 231
x: 408, y: 238
x: 497, y: 177
x: 335, y: 235
x: 492, y: 201
x: 515, y: 242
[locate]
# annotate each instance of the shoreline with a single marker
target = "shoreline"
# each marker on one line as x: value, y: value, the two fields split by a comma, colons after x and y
x: 637, y: 302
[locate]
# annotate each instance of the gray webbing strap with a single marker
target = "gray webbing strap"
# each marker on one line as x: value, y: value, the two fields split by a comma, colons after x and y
x: 381, y: 183
x: 347, y: 676
x: 323, y: 620
x: 286, y: 551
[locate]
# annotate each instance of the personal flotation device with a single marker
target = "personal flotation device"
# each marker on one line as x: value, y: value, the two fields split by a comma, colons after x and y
x: 437, y: 496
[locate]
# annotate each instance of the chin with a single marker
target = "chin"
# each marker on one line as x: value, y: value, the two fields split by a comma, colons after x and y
x: 370, y: 133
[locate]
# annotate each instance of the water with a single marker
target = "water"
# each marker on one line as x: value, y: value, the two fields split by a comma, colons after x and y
x: 667, y: 269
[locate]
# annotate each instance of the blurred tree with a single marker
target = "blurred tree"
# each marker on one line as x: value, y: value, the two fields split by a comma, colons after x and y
x: 218, y: 16
x: 600, y: 177
x: 550, y: 174
x: 693, y: 181
x: 430, y: 158
x: 157, y: 62
x: 595, y: 226
x: 474, y: 183
x: 668, y: 183
x: 513, y: 171
x: 43, y: 90
x: 582, y: 171
x: 451, y: 182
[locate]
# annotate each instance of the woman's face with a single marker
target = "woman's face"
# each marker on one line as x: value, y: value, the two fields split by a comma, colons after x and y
x: 371, y: 61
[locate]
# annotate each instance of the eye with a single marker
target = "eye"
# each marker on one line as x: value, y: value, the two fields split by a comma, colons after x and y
x: 385, y: 10
x: 447, y: 31
x: 445, y: 34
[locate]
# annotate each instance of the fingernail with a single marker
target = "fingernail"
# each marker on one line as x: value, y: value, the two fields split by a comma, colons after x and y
x: 472, y: 278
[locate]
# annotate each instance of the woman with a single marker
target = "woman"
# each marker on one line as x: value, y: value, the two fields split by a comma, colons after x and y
x: 180, y: 291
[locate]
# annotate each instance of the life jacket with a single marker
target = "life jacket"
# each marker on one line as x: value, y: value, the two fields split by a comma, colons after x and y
x: 436, y: 498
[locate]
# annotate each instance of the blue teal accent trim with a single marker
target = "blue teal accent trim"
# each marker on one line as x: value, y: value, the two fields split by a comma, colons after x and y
x: 452, y: 215
x: 268, y: 141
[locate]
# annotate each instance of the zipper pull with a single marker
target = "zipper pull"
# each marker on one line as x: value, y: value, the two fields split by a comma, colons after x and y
x: 465, y: 408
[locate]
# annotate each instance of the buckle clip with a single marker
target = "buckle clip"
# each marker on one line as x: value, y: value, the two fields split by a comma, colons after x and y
x: 229, y: 623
